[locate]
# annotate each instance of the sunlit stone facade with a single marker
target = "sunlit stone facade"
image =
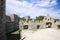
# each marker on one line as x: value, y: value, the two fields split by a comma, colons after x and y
x: 47, y: 22
x: 32, y: 25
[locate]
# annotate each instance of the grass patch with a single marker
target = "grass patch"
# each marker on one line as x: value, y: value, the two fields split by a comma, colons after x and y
x: 16, y: 32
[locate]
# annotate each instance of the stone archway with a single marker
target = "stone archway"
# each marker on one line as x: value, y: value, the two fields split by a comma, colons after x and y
x: 48, y: 25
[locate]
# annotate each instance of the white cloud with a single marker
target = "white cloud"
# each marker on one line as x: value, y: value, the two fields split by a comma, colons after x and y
x: 24, y: 8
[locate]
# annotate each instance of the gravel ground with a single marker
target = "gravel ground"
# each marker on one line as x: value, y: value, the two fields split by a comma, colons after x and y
x: 43, y: 34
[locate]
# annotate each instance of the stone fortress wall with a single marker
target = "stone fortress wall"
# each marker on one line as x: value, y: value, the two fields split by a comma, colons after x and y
x: 2, y: 20
x: 12, y: 22
x: 28, y: 25
x: 47, y: 22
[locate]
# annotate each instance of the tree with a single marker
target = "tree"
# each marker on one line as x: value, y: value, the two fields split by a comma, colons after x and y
x: 56, y: 20
x: 39, y: 18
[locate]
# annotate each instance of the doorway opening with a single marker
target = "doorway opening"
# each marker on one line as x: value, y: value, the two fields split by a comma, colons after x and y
x: 48, y: 25
x: 58, y: 26
x: 38, y: 26
x: 25, y: 27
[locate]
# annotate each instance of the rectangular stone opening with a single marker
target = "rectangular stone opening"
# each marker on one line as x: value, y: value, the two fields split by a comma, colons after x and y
x: 38, y: 26
x: 58, y: 26
x: 25, y: 27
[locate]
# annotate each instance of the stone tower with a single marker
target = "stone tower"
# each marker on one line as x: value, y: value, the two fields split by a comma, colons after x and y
x: 2, y: 20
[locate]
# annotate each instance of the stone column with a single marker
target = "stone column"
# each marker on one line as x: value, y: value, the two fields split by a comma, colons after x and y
x: 2, y: 20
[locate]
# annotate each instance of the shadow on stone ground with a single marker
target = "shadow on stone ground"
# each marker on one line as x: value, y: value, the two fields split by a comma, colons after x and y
x: 13, y: 36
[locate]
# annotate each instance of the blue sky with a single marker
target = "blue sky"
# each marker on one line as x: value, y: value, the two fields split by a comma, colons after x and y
x: 33, y: 8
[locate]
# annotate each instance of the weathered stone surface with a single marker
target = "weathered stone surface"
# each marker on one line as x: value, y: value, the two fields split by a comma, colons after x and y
x: 11, y: 22
x: 47, y: 22
x: 2, y: 20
